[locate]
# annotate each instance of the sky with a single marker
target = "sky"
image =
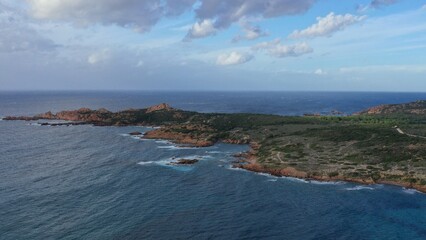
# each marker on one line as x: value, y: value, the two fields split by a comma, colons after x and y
x: 213, y: 45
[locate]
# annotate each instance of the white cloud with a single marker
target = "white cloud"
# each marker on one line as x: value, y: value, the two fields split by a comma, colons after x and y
x: 228, y: 12
x: 319, y: 71
x: 277, y: 49
x: 99, y: 57
x: 202, y: 29
x: 233, y: 58
x: 423, y: 7
x: 250, y: 32
x: 327, y: 25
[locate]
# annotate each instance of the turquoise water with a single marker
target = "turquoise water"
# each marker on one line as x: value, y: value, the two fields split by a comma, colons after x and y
x: 85, y: 182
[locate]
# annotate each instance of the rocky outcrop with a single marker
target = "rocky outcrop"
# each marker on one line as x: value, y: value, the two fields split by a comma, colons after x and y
x: 178, y: 137
x: 287, y: 172
x: 159, y: 107
x: 135, y: 133
x: 185, y: 162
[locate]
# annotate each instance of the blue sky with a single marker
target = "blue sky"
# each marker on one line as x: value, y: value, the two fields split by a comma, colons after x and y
x: 279, y: 45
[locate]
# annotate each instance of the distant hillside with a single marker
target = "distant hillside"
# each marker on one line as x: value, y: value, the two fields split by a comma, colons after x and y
x: 412, y: 108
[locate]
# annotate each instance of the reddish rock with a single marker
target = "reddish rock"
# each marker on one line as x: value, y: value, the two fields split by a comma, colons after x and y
x: 159, y: 107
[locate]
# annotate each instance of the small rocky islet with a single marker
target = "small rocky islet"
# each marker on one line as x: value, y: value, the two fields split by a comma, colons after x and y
x: 184, y: 161
x: 383, y: 144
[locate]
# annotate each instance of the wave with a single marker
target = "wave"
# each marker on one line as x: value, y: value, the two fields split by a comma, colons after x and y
x: 326, y: 183
x: 216, y: 152
x: 127, y: 134
x: 137, y: 137
x: 146, y: 163
x: 230, y: 167
x: 358, y: 188
x: 267, y: 175
x: 168, y: 162
x: 163, y: 141
x: 293, y: 179
x: 410, y: 191
x: 176, y: 147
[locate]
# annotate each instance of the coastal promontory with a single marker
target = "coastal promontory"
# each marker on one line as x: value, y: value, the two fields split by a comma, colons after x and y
x: 383, y: 144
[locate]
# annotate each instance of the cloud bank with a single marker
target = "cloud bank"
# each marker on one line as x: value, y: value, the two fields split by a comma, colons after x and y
x: 142, y: 15
x: 17, y: 36
x: 139, y: 15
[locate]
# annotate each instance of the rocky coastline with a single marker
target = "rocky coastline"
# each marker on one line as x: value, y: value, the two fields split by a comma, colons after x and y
x: 248, y: 161
x: 260, y: 133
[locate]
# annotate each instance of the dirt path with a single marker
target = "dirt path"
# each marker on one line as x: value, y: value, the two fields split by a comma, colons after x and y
x: 279, y: 157
x: 407, y: 134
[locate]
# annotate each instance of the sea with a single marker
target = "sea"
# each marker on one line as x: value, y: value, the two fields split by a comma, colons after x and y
x: 87, y: 182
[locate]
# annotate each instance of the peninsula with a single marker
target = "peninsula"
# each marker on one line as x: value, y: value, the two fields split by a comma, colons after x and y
x: 384, y: 144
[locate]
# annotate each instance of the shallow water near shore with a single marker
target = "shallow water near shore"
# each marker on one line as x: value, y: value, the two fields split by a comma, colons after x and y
x: 86, y: 182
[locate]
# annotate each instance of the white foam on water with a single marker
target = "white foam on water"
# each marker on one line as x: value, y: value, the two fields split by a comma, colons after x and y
x: 230, y: 167
x: 272, y: 180
x: 293, y: 179
x: 199, y: 157
x: 410, y: 191
x: 163, y: 141
x: 167, y: 147
x: 358, y: 188
x: 145, y: 139
x: 136, y: 137
x: 267, y: 175
x: 34, y: 124
x: 146, y: 163
x: 215, y: 152
x: 326, y: 183
x: 176, y: 147
x: 168, y: 162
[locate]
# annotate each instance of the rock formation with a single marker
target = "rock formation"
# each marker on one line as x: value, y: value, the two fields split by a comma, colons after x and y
x: 159, y: 107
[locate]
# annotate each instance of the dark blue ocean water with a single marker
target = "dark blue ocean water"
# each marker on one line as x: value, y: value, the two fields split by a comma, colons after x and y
x: 85, y: 182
